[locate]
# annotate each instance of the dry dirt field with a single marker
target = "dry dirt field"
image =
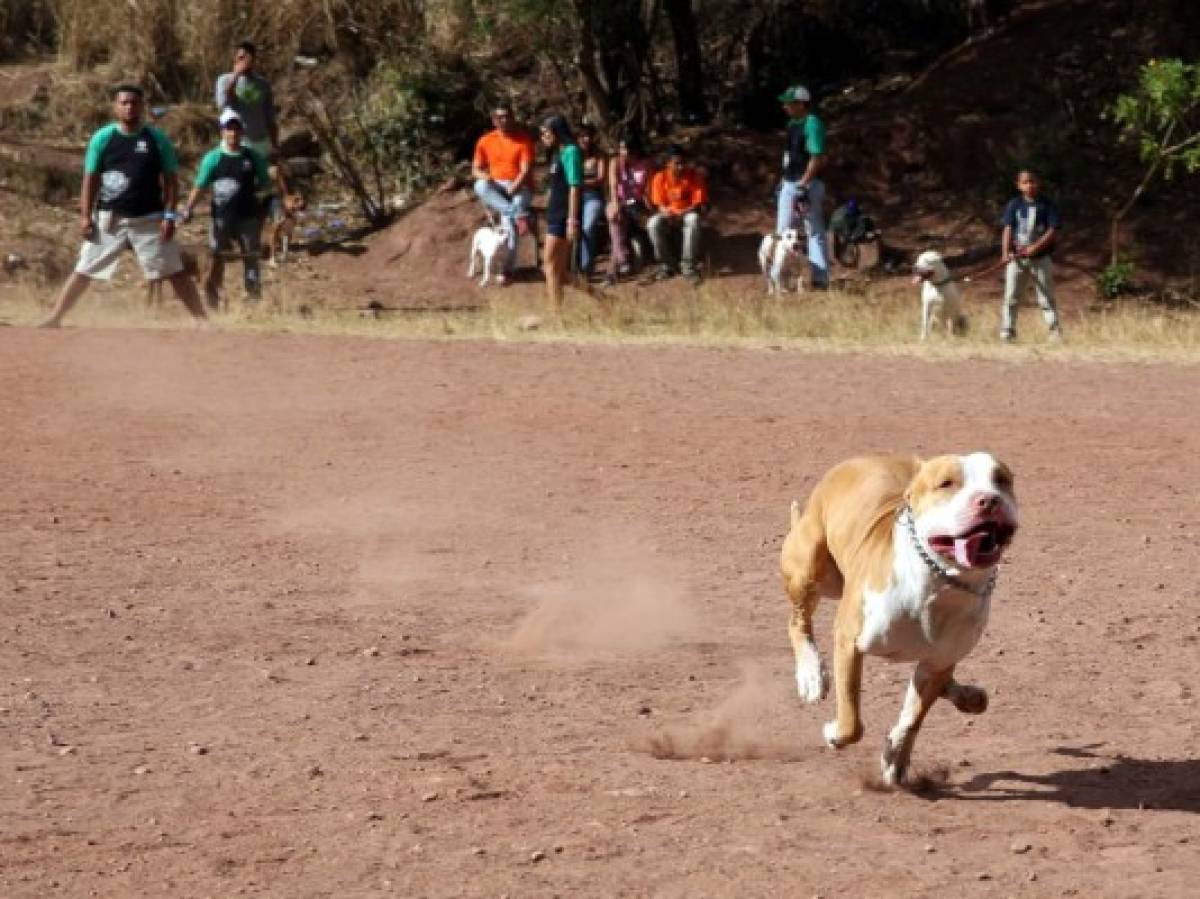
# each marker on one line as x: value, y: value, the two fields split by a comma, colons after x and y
x: 307, y: 617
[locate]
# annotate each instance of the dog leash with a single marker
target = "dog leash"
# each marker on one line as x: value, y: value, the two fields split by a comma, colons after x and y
x: 905, y: 517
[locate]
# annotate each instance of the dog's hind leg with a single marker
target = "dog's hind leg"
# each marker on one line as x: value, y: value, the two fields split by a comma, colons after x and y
x: 806, y: 565
x: 923, y: 690
x: 471, y: 262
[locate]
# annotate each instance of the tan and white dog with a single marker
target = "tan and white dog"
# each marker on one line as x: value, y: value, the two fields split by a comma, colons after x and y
x: 781, y: 257
x: 490, y: 246
x: 941, y: 298
x: 911, y: 548
x: 277, y: 235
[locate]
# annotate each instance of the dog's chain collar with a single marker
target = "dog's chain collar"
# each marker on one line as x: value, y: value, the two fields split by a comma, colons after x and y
x: 905, y: 517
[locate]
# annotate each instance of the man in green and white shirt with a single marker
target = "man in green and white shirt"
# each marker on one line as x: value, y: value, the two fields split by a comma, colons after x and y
x: 235, y: 173
x: 127, y: 200
x: 801, y: 190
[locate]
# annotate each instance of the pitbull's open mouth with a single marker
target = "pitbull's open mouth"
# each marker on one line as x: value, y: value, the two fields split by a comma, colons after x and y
x: 980, y: 547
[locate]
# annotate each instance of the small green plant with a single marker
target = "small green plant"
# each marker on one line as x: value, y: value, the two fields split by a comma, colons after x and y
x: 1115, y: 280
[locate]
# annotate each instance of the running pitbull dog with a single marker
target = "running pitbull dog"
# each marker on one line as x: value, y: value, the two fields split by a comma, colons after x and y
x: 940, y: 297
x: 779, y: 257
x: 490, y: 245
x: 911, y: 548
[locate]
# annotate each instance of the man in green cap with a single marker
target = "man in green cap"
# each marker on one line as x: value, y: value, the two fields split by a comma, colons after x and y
x: 801, y: 190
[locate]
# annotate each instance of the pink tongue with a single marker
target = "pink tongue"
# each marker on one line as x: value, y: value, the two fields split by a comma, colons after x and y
x: 966, y: 550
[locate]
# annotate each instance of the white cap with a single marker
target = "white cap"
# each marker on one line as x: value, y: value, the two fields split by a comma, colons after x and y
x: 796, y: 94
x: 229, y: 115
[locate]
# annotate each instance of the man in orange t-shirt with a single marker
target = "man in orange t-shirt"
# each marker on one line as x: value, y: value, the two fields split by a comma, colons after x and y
x: 503, y: 172
x: 678, y: 194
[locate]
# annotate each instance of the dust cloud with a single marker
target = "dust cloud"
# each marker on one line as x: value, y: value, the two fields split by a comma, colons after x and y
x: 738, y: 728
x: 621, y: 600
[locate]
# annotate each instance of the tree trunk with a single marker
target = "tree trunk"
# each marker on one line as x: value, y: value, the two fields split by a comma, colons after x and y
x: 689, y: 72
x: 585, y: 63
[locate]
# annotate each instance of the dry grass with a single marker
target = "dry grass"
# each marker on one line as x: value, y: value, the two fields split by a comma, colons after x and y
x: 712, y: 316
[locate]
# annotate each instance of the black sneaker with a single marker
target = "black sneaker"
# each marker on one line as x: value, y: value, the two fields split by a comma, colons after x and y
x: 610, y: 280
x: 664, y: 274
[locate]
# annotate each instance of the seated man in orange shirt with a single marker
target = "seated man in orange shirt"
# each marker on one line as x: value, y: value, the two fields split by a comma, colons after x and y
x: 503, y: 172
x: 677, y: 194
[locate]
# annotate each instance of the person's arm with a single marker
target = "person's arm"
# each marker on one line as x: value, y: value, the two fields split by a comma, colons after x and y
x: 479, y: 166
x: 226, y: 90
x: 523, y: 174
x: 572, y: 163
x: 269, y: 112
x: 658, y: 197
x: 610, y: 176
x: 91, y: 181
x: 1043, y: 243
x: 87, y: 202
x: 814, y: 144
x: 190, y: 205
x: 170, y: 183
x: 1009, y: 220
x: 203, y: 179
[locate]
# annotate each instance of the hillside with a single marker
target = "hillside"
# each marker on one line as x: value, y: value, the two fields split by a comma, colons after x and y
x: 930, y: 154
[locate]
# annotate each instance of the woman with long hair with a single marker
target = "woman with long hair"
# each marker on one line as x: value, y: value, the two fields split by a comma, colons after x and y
x: 595, y: 178
x: 629, y: 176
x: 563, y: 201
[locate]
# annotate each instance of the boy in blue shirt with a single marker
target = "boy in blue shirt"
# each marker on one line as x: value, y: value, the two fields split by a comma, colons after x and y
x: 1031, y: 227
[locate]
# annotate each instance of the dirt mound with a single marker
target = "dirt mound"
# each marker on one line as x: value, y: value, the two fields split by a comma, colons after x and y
x: 422, y: 258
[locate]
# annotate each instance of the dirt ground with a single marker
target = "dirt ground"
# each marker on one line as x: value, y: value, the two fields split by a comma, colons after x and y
x: 323, y: 617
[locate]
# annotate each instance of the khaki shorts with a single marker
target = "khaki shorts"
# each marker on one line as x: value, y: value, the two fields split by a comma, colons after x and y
x: 113, y: 233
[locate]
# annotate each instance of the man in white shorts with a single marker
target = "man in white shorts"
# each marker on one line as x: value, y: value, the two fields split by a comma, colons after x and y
x: 129, y: 189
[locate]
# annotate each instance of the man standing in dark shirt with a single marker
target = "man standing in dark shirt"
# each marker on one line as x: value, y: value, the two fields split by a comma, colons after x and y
x: 127, y: 200
x: 803, y: 160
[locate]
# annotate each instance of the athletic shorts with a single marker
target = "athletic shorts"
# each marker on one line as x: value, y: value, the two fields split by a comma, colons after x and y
x: 112, y: 233
x: 556, y: 227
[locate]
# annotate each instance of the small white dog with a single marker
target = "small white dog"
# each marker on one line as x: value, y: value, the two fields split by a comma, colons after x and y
x: 940, y: 297
x: 490, y: 245
x: 780, y: 257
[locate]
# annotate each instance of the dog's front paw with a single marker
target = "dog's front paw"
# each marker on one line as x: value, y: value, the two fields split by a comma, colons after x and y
x: 836, y: 738
x: 967, y: 699
x: 812, y: 678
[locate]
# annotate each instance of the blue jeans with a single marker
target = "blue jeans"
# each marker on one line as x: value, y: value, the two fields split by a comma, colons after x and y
x: 592, y: 212
x: 497, y: 197
x: 814, y: 225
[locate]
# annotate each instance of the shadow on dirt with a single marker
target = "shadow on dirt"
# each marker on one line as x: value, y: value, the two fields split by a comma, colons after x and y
x: 1118, y: 783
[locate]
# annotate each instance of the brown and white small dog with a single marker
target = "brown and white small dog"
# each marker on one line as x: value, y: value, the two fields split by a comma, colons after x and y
x: 277, y: 235
x: 780, y: 257
x: 941, y: 299
x: 911, y: 548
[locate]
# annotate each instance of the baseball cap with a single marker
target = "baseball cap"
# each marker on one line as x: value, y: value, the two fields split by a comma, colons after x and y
x: 795, y: 94
x: 227, y: 116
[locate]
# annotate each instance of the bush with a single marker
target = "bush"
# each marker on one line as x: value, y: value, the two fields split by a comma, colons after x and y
x: 1115, y: 280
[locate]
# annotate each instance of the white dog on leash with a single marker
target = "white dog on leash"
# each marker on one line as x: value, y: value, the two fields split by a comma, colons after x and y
x: 940, y: 297
x: 780, y: 258
x: 490, y: 246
